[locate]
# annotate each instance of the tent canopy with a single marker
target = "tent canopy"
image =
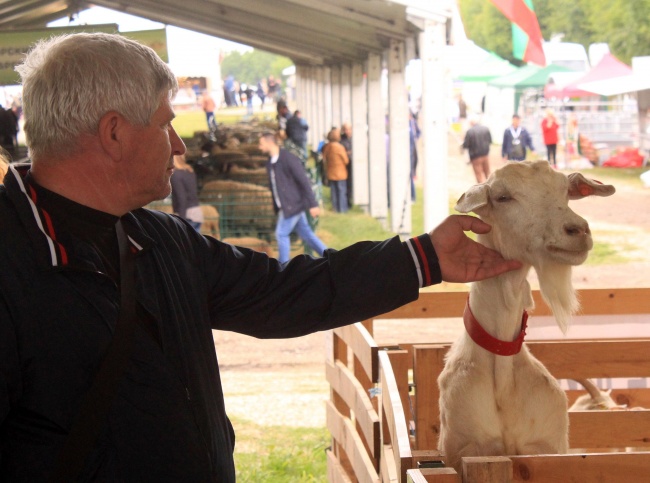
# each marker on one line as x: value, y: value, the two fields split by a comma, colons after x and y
x: 528, y: 76
x: 310, y: 32
x: 470, y: 63
x: 609, y: 67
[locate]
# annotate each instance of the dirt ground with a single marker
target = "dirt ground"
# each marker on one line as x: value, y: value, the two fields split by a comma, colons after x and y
x: 283, y: 381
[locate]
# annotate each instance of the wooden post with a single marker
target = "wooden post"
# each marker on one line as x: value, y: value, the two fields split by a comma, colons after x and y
x: 428, y: 363
x: 487, y: 469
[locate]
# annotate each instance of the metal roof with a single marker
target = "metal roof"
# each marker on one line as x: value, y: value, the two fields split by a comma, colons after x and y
x: 317, y: 32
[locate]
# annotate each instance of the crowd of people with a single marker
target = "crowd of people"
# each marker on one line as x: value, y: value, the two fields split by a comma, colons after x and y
x: 236, y: 93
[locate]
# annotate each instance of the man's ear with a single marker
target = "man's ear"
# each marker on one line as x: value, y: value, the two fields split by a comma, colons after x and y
x: 110, y: 134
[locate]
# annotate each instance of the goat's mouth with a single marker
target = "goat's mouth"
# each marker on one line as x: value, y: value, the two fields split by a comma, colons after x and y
x: 569, y: 256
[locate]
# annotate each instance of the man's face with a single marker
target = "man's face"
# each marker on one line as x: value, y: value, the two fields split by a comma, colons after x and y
x: 265, y: 145
x: 515, y: 121
x: 152, y: 149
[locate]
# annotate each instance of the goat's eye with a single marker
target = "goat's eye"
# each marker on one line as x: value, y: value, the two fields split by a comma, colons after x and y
x: 503, y: 198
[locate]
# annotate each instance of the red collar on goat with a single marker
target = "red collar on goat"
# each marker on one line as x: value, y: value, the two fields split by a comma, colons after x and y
x: 480, y: 336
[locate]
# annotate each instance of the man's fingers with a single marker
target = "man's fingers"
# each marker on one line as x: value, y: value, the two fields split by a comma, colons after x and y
x: 471, y: 223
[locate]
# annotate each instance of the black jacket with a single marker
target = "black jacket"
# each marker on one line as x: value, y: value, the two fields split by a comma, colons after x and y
x: 168, y: 423
x: 293, y: 186
x: 477, y: 141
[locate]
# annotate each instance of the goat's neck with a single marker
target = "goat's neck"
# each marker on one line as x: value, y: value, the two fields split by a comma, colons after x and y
x: 498, y: 303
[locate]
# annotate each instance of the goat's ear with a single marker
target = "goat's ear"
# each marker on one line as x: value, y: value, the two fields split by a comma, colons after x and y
x: 473, y: 199
x: 579, y: 187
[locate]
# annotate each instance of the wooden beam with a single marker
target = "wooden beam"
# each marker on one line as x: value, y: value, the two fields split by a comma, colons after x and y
x: 487, y: 469
x: 364, y: 347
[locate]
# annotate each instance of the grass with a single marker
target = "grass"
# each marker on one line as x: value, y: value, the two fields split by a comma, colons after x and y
x: 186, y: 123
x: 628, y: 176
x: 281, y: 454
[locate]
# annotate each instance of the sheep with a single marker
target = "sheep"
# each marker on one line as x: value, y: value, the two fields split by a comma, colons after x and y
x: 246, y: 209
x: 509, y: 404
x: 256, y: 244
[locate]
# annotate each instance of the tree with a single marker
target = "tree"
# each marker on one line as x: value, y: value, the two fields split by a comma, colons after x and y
x: 254, y: 65
x: 621, y: 23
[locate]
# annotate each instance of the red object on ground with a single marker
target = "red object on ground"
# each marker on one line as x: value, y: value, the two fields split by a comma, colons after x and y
x: 626, y: 158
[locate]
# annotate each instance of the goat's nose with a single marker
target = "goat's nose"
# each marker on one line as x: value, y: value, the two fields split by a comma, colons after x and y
x: 577, y: 229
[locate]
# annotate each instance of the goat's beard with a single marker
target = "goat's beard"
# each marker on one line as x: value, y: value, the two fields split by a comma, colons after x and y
x: 557, y: 291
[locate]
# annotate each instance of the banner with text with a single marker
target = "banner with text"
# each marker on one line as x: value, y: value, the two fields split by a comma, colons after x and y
x: 15, y: 44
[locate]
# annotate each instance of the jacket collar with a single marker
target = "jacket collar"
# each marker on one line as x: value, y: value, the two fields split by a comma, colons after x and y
x: 53, y: 247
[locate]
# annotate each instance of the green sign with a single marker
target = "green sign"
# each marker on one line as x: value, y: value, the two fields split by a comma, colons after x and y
x: 156, y: 39
x: 15, y: 44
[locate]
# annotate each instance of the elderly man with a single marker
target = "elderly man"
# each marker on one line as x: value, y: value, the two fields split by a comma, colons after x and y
x: 108, y: 369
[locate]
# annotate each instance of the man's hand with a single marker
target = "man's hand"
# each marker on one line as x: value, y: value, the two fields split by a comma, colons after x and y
x: 314, y: 212
x: 462, y: 259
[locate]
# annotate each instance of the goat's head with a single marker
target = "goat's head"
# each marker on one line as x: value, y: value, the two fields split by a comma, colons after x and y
x: 527, y: 205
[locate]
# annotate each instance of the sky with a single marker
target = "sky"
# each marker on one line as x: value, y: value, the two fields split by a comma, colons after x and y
x: 185, y: 59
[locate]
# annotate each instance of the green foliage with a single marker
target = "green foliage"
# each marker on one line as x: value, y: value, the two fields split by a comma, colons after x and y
x: 254, y: 65
x: 621, y: 23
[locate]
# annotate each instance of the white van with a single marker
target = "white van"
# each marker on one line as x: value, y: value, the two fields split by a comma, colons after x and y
x: 567, y: 54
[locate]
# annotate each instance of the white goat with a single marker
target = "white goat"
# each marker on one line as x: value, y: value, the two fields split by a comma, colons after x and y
x: 595, y: 399
x: 510, y: 404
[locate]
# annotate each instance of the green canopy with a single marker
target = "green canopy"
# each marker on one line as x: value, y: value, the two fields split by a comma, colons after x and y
x: 491, y: 67
x: 528, y: 76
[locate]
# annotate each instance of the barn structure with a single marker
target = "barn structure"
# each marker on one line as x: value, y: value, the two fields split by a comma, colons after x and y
x: 340, y: 48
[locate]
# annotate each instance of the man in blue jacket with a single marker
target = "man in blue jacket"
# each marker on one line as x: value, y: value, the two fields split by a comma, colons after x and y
x: 73, y: 225
x: 515, y: 141
x: 292, y: 196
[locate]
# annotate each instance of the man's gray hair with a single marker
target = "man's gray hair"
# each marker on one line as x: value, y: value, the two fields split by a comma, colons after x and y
x: 71, y: 81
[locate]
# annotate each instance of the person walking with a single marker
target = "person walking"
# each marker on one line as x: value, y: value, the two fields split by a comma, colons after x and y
x: 515, y: 141
x: 292, y: 196
x: 185, y: 193
x: 297, y: 128
x: 108, y: 366
x: 336, y: 162
x: 208, y: 105
x: 477, y: 142
x: 549, y: 132
x: 346, y: 141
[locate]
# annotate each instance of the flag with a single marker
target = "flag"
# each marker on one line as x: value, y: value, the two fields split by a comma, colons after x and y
x: 526, y: 35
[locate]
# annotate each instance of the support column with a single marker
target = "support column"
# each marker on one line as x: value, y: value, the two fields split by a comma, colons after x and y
x: 360, y: 169
x: 376, y: 141
x: 400, y: 157
x: 320, y: 103
x: 346, y: 101
x: 308, y: 103
x: 336, y: 95
x: 327, y: 98
x: 300, y: 91
x: 433, y: 123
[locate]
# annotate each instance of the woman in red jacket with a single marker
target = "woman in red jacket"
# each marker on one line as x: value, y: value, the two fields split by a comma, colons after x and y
x: 549, y: 130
